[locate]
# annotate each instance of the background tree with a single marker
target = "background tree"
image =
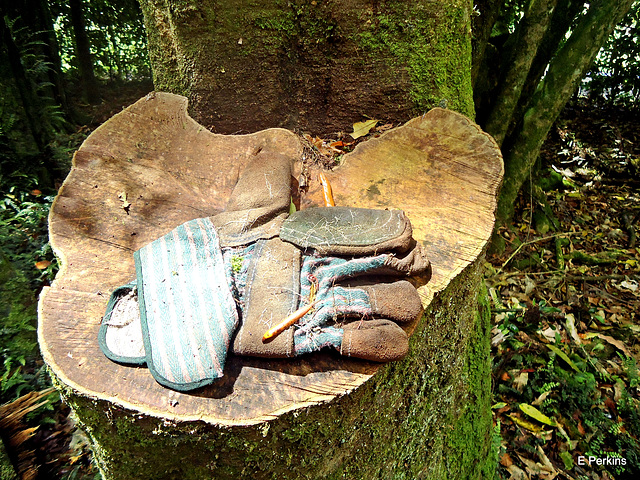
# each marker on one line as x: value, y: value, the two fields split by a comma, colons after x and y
x: 83, y: 51
x: 539, y: 67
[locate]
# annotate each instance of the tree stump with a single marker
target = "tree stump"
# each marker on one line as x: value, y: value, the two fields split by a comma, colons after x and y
x: 151, y: 168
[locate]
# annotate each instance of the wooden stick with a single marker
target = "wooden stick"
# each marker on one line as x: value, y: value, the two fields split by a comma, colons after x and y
x: 327, y: 192
x: 273, y: 332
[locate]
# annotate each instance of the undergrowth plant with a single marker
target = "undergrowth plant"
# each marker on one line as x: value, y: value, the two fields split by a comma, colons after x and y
x: 26, y: 264
x: 586, y: 395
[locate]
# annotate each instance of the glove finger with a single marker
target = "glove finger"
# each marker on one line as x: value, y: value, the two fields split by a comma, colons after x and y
x: 377, y: 340
x: 398, y: 301
x: 413, y: 263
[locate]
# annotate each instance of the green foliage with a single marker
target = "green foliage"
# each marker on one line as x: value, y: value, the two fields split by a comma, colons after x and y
x: 577, y: 402
x: 510, y: 14
x: 37, y: 69
x: 116, y: 32
x: 23, y: 230
x: 23, y: 242
x: 615, y: 76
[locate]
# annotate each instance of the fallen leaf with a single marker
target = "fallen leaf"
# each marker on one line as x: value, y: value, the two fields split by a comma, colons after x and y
x: 570, y: 324
x: 538, y: 401
x: 616, y: 343
x: 549, y: 333
x: 498, y: 337
x: 618, y: 390
x: 532, y: 427
x: 629, y: 285
x: 125, y: 204
x: 521, y: 381
x: 545, y: 461
x: 610, y: 404
x: 505, y: 460
x: 517, y: 473
x: 536, y: 414
x: 530, y: 285
x: 563, y: 356
x: 42, y: 264
x: 360, y: 129
x: 532, y: 467
x: 384, y: 127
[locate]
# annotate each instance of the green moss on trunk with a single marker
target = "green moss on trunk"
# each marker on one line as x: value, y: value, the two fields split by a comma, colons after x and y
x: 317, y: 66
x: 433, y: 45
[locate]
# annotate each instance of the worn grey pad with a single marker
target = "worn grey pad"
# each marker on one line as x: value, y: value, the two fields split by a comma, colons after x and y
x: 120, y: 334
x: 273, y: 286
x: 348, y: 231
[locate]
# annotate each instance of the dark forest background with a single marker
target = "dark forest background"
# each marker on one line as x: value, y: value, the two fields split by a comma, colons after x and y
x: 562, y: 272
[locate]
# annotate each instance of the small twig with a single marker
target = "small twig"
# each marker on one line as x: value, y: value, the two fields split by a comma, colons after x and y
x: 597, y: 278
x: 567, y: 276
x: 530, y: 242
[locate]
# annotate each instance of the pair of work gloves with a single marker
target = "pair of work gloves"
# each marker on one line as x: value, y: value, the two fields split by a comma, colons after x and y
x: 226, y: 282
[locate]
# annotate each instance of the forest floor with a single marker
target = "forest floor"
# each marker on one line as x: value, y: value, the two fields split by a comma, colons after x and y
x: 566, y: 308
x: 565, y: 297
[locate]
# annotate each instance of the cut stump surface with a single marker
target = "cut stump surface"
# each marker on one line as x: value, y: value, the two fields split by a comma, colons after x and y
x: 151, y: 168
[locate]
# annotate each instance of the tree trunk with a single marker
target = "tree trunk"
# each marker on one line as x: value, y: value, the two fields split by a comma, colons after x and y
x: 563, y: 16
x: 485, y: 15
x: 28, y: 97
x: 317, y: 416
x: 315, y: 66
x: 528, y: 37
x: 565, y: 72
x: 83, y: 52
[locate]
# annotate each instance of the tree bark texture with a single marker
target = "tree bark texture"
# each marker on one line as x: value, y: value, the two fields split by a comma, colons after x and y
x: 316, y: 66
x: 318, y: 416
x: 528, y: 37
x: 83, y: 52
x: 28, y: 97
x: 565, y: 72
x: 484, y: 18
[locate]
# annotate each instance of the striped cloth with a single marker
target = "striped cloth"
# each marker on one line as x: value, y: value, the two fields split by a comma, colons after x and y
x: 188, y: 313
x: 333, y: 302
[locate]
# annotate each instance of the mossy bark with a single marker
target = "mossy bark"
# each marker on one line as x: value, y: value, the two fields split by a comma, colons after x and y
x: 316, y: 66
x: 427, y: 417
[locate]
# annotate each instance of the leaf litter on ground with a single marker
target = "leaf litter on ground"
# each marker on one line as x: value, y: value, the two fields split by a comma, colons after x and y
x: 565, y: 302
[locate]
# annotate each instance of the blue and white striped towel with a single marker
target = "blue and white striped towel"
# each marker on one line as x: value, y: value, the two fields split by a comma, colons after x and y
x: 188, y: 314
